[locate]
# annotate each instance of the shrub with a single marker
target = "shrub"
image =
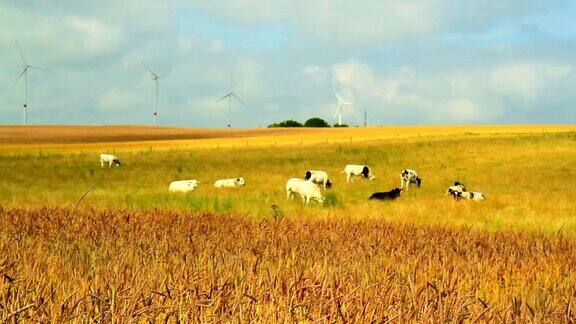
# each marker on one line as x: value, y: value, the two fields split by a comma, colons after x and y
x: 316, y: 122
x: 286, y: 123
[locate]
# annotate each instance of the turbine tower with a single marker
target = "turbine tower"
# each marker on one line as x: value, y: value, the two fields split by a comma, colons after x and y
x: 341, y: 104
x: 155, y: 77
x: 230, y: 95
x: 24, y: 72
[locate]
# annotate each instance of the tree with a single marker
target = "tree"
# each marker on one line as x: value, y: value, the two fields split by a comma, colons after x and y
x: 286, y: 123
x: 343, y: 125
x: 316, y: 122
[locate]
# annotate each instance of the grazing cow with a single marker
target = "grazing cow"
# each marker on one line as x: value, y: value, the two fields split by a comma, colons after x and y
x: 388, y: 195
x: 456, y: 187
x: 307, y: 190
x: 237, y: 182
x: 111, y: 159
x: 408, y: 176
x: 471, y: 195
x: 353, y: 170
x: 183, y: 185
x: 319, y: 177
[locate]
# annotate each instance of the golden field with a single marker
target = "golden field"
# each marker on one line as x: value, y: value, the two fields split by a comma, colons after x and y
x: 117, y: 266
x: 132, y: 251
x: 83, y: 138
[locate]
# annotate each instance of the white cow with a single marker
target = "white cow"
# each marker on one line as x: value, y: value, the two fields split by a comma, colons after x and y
x: 353, y: 170
x: 408, y: 176
x: 183, y: 185
x: 307, y: 190
x: 320, y: 177
x: 111, y: 159
x: 236, y: 182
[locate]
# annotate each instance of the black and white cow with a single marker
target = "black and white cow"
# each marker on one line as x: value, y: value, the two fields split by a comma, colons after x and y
x: 456, y: 187
x: 354, y: 170
x: 469, y: 195
x: 111, y: 159
x: 408, y: 176
x: 320, y: 177
x: 388, y: 195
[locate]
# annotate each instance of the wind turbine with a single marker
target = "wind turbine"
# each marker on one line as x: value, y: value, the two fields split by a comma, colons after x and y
x: 341, y: 104
x: 25, y: 67
x: 156, y: 77
x: 230, y: 95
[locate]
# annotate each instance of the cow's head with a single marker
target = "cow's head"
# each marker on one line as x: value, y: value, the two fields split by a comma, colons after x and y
x: 396, y: 191
x: 116, y: 162
x: 307, y: 175
x: 366, y: 173
x: 418, y: 181
x: 240, y: 181
x: 329, y: 184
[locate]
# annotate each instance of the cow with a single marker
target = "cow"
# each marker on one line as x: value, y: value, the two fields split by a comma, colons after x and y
x: 353, y: 170
x: 111, y: 159
x: 471, y: 195
x: 456, y: 187
x: 388, y: 195
x: 183, y: 185
x: 408, y: 176
x: 228, y: 183
x: 306, y: 189
x: 320, y: 177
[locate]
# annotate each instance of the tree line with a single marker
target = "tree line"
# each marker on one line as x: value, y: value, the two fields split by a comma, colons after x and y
x: 312, y: 122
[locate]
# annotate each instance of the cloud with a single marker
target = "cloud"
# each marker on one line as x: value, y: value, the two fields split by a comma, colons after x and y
x: 95, y: 35
x: 411, y: 61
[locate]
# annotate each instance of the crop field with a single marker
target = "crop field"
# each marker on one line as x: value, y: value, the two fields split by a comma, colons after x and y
x: 129, y: 249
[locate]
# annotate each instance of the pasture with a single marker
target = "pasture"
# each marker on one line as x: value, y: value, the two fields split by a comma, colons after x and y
x: 132, y: 250
x: 528, y: 179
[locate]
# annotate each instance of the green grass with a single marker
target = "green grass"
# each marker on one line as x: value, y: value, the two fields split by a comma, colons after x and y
x: 528, y: 180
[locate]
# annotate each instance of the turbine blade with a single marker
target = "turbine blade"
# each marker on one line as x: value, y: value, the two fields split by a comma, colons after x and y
x: 19, y: 76
x: 235, y: 96
x: 39, y: 68
x: 21, y: 53
x: 164, y: 73
x: 226, y: 96
x: 336, y: 93
x: 149, y: 70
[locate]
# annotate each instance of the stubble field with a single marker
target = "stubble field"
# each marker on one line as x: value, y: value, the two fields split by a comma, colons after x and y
x: 132, y: 250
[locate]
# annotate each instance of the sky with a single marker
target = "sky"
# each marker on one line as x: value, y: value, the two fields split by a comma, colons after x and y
x: 402, y: 61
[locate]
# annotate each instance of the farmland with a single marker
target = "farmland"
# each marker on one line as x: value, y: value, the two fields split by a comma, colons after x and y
x: 132, y: 250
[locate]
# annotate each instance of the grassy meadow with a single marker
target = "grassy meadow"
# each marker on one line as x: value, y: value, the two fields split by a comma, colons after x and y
x: 528, y: 180
x: 132, y: 251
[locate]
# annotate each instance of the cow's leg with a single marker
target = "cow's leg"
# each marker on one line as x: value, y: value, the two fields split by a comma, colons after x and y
x: 288, y: 194
x: 101, y: 163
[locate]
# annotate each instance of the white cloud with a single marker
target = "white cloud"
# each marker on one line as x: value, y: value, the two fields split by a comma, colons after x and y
x: 96, y: 35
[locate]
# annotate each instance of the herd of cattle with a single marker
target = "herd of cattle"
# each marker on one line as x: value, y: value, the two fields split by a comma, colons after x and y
x: 308, y: 188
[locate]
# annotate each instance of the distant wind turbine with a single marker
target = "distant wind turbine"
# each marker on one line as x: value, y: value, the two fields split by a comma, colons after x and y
x: 230, y: 95
x: 341, y: 104
x: 156, y: 77
x: 25, y: 68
